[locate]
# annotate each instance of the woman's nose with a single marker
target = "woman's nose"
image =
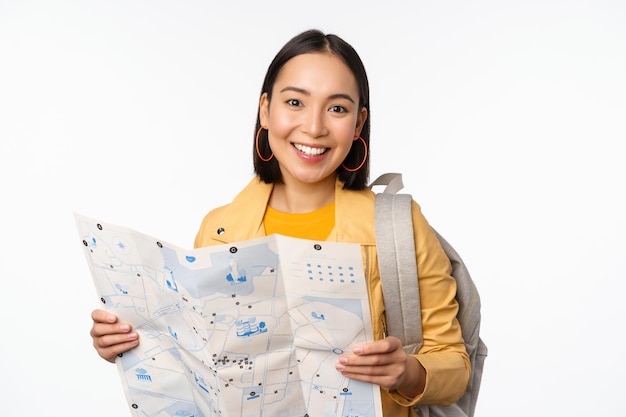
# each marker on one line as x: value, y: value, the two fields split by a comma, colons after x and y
x: 315, y: 123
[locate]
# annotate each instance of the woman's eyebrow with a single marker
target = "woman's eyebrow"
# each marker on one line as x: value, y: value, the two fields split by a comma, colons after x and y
x: 307, y: 93
x: 344, y: 96
x: 296, y: 89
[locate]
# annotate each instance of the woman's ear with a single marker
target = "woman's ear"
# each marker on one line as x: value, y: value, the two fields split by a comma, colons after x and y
x: 264, y: 110
x: 360, y: 121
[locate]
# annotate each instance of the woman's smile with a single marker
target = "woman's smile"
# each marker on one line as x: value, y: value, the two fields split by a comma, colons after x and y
x: 309, y: 150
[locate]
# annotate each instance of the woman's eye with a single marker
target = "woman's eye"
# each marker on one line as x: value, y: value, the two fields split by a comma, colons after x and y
x: 338, y: 109
x: 294, y: 102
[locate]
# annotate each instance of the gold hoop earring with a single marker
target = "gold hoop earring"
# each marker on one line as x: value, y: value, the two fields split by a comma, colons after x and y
x: 364, y: 157
x: 256, y: 144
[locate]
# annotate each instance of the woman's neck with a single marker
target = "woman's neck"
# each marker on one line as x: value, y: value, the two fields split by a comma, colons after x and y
x: 302, y: 197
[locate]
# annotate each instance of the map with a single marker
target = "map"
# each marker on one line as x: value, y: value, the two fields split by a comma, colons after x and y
x: 238, y: 330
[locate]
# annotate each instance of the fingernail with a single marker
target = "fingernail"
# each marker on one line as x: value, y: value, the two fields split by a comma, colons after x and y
x: 343, y: 361
x: 124, y: 327
x: 357, y: 350
x: 339, y: 367
x: 132, y: 336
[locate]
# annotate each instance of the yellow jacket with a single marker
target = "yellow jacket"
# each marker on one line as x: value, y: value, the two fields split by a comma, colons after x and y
x: 443, y: 354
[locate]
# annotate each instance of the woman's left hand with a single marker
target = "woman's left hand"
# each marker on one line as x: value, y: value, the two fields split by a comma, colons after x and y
x: 384, y: 363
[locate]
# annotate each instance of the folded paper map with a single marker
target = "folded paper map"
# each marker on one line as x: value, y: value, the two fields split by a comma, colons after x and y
x: 252, y: 328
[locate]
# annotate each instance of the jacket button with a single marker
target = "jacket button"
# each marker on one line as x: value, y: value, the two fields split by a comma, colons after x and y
x: 220, y: 231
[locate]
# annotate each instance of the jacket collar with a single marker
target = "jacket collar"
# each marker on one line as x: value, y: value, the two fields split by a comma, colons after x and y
x: 243, y: 219
x: 354, y: 216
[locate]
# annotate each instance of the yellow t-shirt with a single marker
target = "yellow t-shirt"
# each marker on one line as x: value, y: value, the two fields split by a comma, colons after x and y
x: 315, y: 225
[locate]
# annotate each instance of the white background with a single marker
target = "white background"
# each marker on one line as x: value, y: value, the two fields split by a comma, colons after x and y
x: 507, y: 119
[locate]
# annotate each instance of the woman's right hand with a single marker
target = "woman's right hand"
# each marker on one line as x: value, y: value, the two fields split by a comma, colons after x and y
x: 110, y: 337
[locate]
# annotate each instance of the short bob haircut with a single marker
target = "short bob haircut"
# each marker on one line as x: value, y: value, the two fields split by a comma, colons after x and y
x: 312, y: 41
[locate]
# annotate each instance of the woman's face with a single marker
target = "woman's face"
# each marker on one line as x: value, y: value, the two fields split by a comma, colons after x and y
x: 313, y: 117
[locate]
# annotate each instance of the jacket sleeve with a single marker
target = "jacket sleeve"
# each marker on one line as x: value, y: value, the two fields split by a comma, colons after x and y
x: 443, y: 353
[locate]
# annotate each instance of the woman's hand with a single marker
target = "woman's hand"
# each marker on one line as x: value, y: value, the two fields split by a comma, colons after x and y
x: 384, y: 363
x: 110, y: 338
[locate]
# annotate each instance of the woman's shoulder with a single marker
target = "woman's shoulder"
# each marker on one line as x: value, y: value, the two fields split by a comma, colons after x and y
x: 237, y: 220
x: 207, y: 225
x: 215, y: 213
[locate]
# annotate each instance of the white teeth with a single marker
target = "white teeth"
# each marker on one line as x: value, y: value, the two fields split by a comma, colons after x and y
x: 308, y: 150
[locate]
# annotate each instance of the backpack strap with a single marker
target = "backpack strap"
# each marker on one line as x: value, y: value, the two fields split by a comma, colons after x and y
x: 392, y: 182
x: 397, y: 265
x: 395, y: 247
